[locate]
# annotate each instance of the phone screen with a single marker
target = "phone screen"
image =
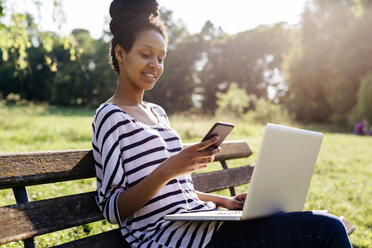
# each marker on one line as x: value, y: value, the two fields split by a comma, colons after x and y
x: 222, y: 129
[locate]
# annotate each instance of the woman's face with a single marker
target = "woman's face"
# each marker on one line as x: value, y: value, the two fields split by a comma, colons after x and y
x: 144, y: 64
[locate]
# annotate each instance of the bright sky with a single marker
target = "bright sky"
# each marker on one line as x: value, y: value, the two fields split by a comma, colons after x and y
x: 231, y: 15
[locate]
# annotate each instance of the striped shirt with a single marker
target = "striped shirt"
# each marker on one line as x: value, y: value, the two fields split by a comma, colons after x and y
x: 126, y: 151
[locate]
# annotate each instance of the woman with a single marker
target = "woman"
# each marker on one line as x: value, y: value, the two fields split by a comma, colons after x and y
x: 142, y: 171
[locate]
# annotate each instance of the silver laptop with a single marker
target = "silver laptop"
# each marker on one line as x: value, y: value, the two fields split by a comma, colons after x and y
x: 281, y: 178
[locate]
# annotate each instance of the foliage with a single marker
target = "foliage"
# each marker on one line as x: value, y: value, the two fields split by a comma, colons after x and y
x: 363, y: 107
x: 1, y: 8
x: 233, y: 102
x: 54, y: 78
x: 313, y: 69
x: 266, y: 111
x: 238, y: 105
x: 87, y: 81
x: 243, y: 58
x: 327, y: 59
x: 16, y: 37
x: 175, y: 88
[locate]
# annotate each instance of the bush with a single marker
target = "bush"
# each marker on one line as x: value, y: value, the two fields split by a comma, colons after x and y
x: 15, y: 99
x: 363, y: 108
x: 237, y: 104
x: 233, y: 102
x: 266, y: 111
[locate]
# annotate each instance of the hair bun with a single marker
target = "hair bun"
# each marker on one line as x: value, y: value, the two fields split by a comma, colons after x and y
x: 120, y: 7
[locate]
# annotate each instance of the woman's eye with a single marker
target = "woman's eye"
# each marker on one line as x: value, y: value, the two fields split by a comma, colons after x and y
x: 161, y: 60
x: 145, y: 55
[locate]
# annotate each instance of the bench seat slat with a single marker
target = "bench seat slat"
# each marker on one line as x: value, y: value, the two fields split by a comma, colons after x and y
x: 26, y: 220
x: 24, y: 169
x: 31, y: 219
x: 112, y: 239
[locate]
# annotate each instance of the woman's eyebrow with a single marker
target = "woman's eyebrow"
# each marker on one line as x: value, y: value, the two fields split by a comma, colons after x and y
x: 151, y: 47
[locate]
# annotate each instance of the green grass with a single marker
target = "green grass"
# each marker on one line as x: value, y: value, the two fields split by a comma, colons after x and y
x: 42, y: 128
x: 341, y: 183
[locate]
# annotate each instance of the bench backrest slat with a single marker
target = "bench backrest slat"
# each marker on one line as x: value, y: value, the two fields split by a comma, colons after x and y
x: 217, y: 180
x: 24, y: 169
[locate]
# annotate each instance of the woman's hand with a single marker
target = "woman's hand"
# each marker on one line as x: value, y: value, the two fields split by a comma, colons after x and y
x: 191, y: 158
x: 231, y: 203
x: 235, y: 202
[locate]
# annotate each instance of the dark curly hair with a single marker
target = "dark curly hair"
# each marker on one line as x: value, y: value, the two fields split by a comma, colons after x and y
x: 128, y: 19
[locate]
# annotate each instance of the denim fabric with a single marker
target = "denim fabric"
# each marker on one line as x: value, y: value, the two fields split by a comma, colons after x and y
x: 296, y: 229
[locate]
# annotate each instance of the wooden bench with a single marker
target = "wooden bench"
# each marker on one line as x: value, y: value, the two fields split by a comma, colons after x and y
x: 25, y: 220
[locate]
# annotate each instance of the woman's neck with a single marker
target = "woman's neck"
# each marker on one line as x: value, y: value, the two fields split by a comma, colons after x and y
x: 126, y: 95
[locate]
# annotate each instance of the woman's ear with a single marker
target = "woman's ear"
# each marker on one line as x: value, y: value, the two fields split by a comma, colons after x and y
x: 119, y: 53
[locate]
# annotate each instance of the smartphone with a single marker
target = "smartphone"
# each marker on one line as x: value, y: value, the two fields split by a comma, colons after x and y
x: 222, y: 129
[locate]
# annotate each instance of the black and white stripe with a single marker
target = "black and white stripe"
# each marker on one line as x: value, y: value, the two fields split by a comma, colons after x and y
x: 126, y: 151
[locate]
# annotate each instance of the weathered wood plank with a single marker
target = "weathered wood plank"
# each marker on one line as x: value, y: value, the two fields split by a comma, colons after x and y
x: 112, y: 239
x: 26, y: 220
x: 233, y: 150
x: 24, y: 169
x: 223, y: 179
x: 31, y: 219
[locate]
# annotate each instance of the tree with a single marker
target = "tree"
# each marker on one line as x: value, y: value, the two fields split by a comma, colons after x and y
x: 87, y: 81
x: 16, y: 36
x: 175, y: 88
x: 327, y: 60
x: 363, y: 107
x: 234, y: 102
x: 34, y: 82
x: 243, y: 58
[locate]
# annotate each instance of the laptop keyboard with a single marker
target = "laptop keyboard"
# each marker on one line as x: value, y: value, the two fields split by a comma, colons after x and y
x: 229, y: 213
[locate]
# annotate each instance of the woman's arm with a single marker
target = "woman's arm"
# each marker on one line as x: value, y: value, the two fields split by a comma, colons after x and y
x: 130, y: 200
x: 236, y: 202
x: 186, y: 161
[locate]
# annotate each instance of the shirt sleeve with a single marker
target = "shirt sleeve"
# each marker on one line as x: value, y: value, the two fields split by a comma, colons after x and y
x: 108, y: 141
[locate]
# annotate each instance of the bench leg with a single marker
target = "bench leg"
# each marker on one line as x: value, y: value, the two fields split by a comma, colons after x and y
x: 21, y: 196
x: 225, y: 167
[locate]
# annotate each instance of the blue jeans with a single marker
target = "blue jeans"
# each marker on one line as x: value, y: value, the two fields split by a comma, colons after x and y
x: 297, y: 229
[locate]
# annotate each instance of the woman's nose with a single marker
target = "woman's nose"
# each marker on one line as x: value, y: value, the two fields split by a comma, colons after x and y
x: 154, y: 63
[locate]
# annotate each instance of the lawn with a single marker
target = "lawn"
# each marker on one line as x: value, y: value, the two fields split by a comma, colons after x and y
x: 341, y: 183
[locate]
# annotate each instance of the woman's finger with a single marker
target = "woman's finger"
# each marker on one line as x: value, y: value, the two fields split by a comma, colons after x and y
x: 210, y: 153
x: 239, y: 204
x: 204, y: 144
x: 206, y: 160
x: 241, y: 197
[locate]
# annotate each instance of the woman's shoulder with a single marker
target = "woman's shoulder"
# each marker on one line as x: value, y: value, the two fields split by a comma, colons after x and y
x: 109, y: 110
x: 157, y: 108
x: 107, y: 106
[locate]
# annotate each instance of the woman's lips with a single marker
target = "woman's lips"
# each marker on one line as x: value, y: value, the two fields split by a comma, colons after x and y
x: 150, y: 76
